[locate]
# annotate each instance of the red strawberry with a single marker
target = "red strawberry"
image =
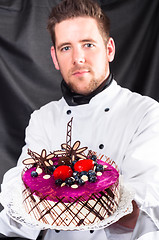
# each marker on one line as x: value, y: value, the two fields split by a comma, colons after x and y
x: 84, y: 165
x: 63, y: 172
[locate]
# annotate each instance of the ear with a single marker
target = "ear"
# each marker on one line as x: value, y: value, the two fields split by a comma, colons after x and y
x: 54, y: 58
x: 110, y: 49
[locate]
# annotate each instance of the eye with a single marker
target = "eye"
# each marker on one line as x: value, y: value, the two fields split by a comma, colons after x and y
x: 89, y: 45
x: 64, y: 49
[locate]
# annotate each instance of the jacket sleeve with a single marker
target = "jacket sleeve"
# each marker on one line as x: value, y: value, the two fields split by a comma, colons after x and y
x: 140, y: 166
x: 11, y: 228
x: 36, y: 140
x: 8, y: 226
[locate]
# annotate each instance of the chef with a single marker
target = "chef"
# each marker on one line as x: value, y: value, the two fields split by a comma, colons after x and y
x: 107, y: 118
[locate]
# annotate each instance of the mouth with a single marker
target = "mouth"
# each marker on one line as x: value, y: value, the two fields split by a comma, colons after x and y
x: 80, y: 72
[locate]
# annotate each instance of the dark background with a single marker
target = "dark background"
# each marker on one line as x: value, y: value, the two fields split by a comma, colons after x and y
x: 29, y: 80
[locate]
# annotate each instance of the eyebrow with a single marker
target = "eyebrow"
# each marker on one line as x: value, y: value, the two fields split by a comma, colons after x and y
x: 88, y: 40
x: 81, y: 41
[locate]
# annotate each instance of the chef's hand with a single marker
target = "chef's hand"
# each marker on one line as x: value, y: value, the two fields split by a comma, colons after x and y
x: 130, y: 220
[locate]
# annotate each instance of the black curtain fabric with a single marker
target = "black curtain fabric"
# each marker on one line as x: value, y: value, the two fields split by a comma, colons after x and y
x: 29, y: 80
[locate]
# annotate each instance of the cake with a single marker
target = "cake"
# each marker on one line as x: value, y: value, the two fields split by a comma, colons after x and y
x: 69, y: 189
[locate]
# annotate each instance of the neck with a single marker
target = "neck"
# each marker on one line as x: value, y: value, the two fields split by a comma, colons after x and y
x: 74, y: 99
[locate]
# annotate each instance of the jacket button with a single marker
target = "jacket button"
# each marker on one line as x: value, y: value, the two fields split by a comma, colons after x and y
x: 68, y: 112
x: 57, y: 231
x: 91, y: 231
x: 101, y: 146
x: 106, y: 109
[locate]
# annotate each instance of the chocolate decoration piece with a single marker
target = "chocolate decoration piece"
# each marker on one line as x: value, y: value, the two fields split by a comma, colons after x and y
x: 69, y: 132
x: 42, y: 161
x: 64, y: 161
x: 72, y: 152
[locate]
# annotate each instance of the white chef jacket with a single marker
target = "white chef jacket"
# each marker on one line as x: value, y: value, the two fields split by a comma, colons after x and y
x: 117, y: 123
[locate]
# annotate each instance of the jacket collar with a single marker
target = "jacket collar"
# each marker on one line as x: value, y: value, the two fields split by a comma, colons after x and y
x: 74, y: 99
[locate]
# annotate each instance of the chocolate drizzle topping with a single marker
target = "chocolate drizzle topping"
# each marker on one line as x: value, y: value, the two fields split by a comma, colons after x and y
x: 99, y: 205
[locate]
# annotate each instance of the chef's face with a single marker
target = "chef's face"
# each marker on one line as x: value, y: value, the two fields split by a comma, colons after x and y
x: 81, y: 54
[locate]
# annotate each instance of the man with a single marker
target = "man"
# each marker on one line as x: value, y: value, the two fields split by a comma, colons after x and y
x: 107, y: 118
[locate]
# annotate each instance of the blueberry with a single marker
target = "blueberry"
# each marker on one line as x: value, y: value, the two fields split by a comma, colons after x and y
x: 99, y: 168
x: 69, y: 181
x: 94, y: 157
x: 34, y: 174
x: 92, y: 179
x: 52, y: 168
x: 75, y: 173
x: 95, y: 163
x: 91, y: 173
x: 77, y: 178
x: 58, y: 182
x: 81, y: 182
x: 83, y: 173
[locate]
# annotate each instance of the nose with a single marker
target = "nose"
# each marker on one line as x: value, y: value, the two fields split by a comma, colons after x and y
x: 78, y: 56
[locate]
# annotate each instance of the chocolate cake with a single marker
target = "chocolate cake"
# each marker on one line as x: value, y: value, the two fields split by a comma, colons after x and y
x: 68, y: 188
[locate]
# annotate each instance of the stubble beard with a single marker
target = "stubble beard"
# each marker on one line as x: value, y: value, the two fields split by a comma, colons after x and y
x: 92, y: 85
